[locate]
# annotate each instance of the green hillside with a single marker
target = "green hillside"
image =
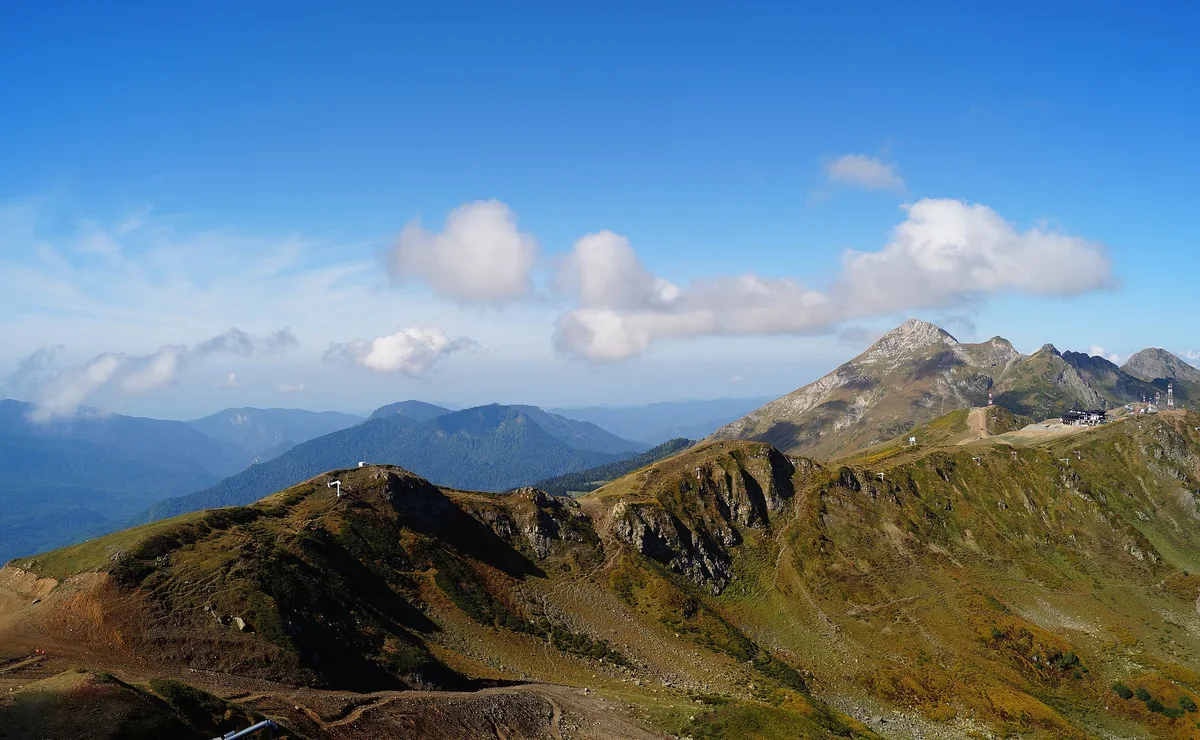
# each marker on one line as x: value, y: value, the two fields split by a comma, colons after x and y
x: 1034, y: 586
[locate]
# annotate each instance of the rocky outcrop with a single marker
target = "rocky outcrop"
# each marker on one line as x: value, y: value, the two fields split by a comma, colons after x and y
x: 533, y: 519
x: 695, y: 520
x: 911, y: 336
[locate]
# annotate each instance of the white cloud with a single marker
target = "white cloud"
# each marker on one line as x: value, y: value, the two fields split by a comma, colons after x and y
x: 604, y: 271
x: 864, y: 171
x: 946, y: 253
x: 736, y: 379
x: 230, y: 381
x: 480, y: 256
x: 1097, y: 351
x: 148, y: 373
x: 61, y: 391
x: 413, y: 351
x: 1191, y: 355
x: 67, y: 390
x: 291, y: 387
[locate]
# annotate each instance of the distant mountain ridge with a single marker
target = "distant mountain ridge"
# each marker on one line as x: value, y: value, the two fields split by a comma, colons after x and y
x: 90, y: 473
x: 919, y: 371
x: 415, y: 410
x: 260, y: 430
x: 584, y: 481
x: 491, y: 447
x: 656, y: 423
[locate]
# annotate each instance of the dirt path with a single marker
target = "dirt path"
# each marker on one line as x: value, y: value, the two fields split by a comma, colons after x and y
x: 976, y: 425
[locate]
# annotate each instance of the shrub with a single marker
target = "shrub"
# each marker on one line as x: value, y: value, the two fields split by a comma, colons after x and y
x: 1142, y: 694
x: 1187, y: 704
x: 1122, y: 690
x: 1065, y: 661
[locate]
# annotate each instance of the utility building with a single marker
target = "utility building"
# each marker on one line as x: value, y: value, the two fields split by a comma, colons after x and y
x: 1084, y: 417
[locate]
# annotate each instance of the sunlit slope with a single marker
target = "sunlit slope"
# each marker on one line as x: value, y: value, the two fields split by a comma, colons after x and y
x: 959, y: 586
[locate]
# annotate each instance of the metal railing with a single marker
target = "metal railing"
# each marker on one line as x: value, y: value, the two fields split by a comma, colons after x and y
x: 266, y: 724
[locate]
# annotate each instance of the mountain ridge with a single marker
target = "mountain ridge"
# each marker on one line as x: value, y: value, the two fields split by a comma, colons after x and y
x: 486, y: 447
x: 919, y: 371
x: 730, y: 590
x: 259, y: 430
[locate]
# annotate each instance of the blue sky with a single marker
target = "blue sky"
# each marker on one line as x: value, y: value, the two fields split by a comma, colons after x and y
x: 174, y: 170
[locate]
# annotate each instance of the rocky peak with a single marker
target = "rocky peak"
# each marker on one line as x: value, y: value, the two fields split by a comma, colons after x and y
x: 1154, y: 363
x: 1047, y: 347
x: 909, y: 337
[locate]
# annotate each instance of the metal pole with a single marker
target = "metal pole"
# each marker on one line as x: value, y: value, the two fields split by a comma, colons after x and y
x: 266, y: 724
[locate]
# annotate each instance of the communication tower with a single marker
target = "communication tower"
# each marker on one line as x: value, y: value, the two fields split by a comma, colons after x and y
x: 1170, y: 396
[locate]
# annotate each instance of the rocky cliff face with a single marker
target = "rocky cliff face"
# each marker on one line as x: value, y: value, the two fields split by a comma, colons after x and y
x: 533, y: 520
x: 702, y: 504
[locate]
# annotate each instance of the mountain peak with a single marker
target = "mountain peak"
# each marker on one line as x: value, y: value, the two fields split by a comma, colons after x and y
x: 1047, y: 347
x: 912, y: 335
x: 1154, y: 363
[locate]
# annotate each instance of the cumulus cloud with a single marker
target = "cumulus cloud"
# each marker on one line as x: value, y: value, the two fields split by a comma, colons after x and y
x: 946, y: 253
x: 59, y: 392
x: 864, y: 171
x: 1191, y: 355
x: 479, y: 256
x: 145, y: 374
x: 414, y: 351
x: 1097, y: 351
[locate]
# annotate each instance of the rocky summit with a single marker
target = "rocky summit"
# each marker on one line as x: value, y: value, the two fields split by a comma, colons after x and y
x: 1156, y: 363
x: 917, y: 372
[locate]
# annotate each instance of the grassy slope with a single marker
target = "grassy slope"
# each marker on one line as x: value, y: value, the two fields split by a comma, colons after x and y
x: 1008, y: 592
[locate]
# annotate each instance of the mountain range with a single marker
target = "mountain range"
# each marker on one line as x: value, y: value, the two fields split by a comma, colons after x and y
x: 487, y: 448
x: 918, y: 371
x: 261, y: 431
x: 90, y: 473
x: 995, y: 580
